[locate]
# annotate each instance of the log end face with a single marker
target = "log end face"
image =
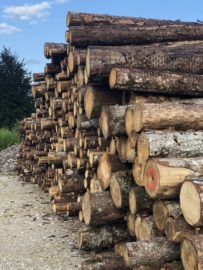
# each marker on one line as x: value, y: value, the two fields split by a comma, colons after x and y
x: 138, y: 172
x: 88, y: 64
x: 129, y: 121
x: 104, y: 171
x: 86, y: 208
x: 68, y: 18
x: 160, y: 214
x: 70, y: 62
x: 89, y: 101
x: 112, y: 78
x: 190, y: 203
x: 137, y: 118
x: 151, y: 178
x: 170, y: 228
x: 115, y: 192
x: 189, y: 255
x: 143, y: 147
x: 132, y: 201
x: 103, y: 121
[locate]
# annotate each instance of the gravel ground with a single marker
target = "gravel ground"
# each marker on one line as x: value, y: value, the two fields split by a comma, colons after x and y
x: 8, y: 158
x: 31, y: 236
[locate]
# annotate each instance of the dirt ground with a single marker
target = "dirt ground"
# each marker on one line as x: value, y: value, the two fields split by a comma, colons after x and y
x: 31, y: 236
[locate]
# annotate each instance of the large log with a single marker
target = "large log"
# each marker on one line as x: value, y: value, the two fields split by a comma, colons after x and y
x: 96, y: 97
x: 120, y: 184
x: 98, y: 238
x: 154, y: 252
x: 191, y: 252
x: 99, y: 209
x: 88, y: 19
x: 112, y: 120
x: 82, y: 36
x: 163, y: 177
x: 164, y: 209
x: 161, y: 82
x: 176, y: 57
x: 191, y: 200
x: 177, y: 116
x: 167, y: 143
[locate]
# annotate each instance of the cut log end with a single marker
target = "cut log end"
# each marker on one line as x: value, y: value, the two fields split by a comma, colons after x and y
x: 112, y: 78
x: 160, y: 214
x: 104, y: 123
x: 189, y: 255
x: 86, y: 208
x: 151, y: 178
x: 88, y: 70
x: 129, y: 121
x: 70, y: 62
x: 115, y: 192
x: 104, y: 171
x: 89, y: 101
x: 143, y: 147
x: 190, y: 203
x: 137, y: 118
x: 132, y: 200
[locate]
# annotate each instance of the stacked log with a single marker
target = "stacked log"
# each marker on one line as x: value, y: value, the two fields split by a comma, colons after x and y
x: 117, y: 136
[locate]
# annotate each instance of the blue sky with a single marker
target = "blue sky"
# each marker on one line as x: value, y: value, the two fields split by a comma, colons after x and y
x: 26, y: 25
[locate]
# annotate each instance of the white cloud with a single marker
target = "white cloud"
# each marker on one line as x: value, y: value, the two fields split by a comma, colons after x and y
x: 61, y: 1
x: 8, y: 29
x: 28, y: 12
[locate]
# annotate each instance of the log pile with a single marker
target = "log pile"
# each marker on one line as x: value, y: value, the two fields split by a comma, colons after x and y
x: 116, y: 139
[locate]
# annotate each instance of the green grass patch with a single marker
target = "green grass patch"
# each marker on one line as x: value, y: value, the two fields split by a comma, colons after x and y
x: 8, y: 137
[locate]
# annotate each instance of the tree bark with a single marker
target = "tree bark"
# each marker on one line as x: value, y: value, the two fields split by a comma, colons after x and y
x: 161, y: 82
x: 191, y: 200
x: 82, y: 36
x: 163, y: 177
x: 99, y: 209
x: 73, y: 208
x: 99, y: 238
x: 168, y: 143
x: 153, y: 252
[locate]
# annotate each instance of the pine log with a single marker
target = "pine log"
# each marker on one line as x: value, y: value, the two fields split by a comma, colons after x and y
x: 73, y: 61
x: 99, y: 209
x: 177, y: 229
x: 163, y: 177
x: 154, y: 252
x: 178, y: 116
x: 74, y: 183
x: 164, y: 209
x: 96, y: 97
x: 177, y: 57
x: 139, y: 201
x: 161, y: 82
x: 120, y: 184
x: 73, y: 208
x: 168, y: 143
x: 98, y: 238
x: 191, y: 252
x: 191, y: 200
x: 88, y: 19
x: 112, y: 120
x: 82, y: 36
x: 108, y: 164
x: 60, y: 207
x: 145, y: 228
x: 49, y: 46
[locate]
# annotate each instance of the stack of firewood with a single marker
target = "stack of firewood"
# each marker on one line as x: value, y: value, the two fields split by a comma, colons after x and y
x: 117, y: 139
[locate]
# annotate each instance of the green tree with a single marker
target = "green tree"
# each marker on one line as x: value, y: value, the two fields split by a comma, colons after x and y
x: 16, y: 101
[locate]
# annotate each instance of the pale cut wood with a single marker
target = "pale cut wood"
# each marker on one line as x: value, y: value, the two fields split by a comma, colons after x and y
x: 139, y: 201
x: 191, y: 252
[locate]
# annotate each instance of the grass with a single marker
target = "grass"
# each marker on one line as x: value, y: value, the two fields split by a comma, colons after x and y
x: 8, y: 137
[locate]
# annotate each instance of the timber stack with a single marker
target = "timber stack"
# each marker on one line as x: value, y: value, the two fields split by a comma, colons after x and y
x: 117, y: 136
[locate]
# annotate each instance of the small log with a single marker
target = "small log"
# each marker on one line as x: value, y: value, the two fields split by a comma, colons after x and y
x: 99, y: 238
x: 164, y: 209
x: 108, y: 164
x: 177, y: 229
x: 138, y: 171
x: 191, y: 200
x: 131, y: 223
x: 120, y: 184
x: 154, y: 252
x: 139, y: 201
x: 99, y: 209
x: 163, y: 177
x: 73, y: 208
x: 191, y: 252
x: 74, y: 183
